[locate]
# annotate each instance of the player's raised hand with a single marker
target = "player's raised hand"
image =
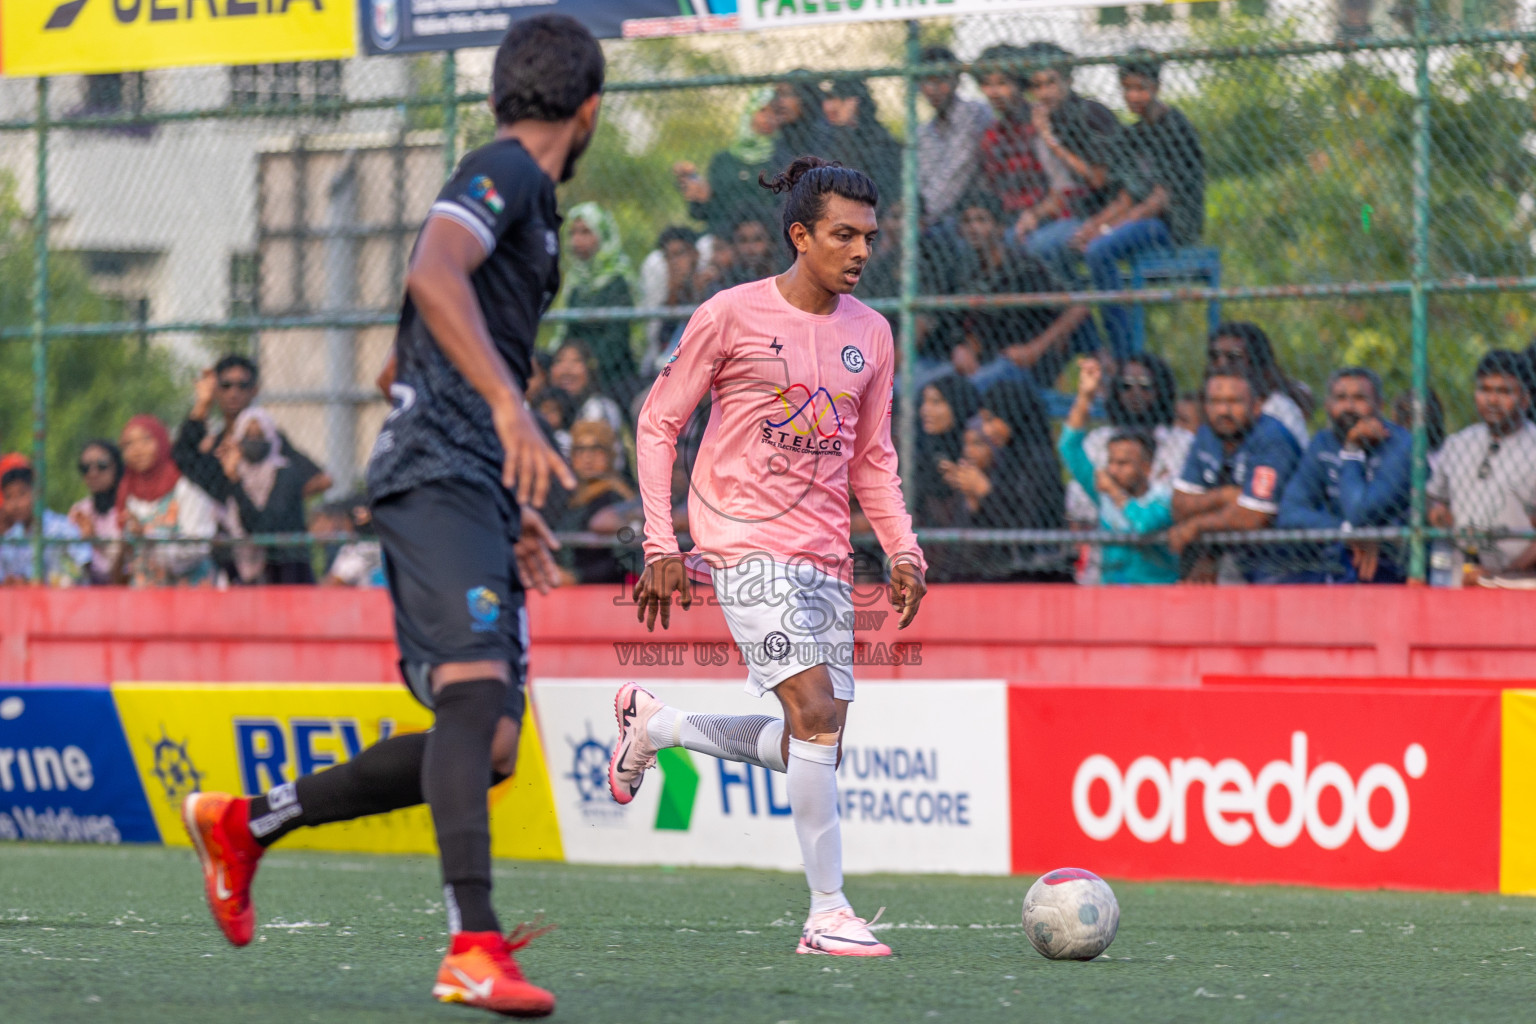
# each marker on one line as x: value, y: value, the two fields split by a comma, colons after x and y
x: 654, y: 590
x: 907, y: 590
x: 529, y: 460
x: 534, y: 551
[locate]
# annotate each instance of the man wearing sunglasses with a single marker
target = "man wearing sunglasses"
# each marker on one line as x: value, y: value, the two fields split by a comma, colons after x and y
x: 1485, y: 477
x: 232, y: 386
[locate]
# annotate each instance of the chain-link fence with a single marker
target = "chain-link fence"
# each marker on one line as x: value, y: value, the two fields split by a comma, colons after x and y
x: 1218, y: 205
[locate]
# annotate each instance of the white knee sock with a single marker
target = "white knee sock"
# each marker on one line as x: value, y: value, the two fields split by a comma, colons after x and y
x: 754, y: 739
x: 813, y: 799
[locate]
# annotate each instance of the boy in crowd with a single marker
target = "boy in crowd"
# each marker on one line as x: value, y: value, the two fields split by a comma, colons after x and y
x: 948, y: 144
x: 1080, y: 135
x: 1161, y: 203
x: 1122, y: 490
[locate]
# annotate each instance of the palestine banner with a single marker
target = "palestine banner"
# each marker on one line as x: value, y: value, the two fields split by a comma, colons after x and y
x: 412, y: 26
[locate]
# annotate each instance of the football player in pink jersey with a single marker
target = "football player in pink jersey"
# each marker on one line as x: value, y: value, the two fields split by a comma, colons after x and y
x: 800, y: 375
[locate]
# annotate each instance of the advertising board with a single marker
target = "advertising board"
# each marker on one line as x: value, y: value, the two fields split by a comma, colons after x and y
x: 65, y: 772
x: 1327, y: 786
x: 923, y: 781
x: 246, y: 738
x: 56, y: 37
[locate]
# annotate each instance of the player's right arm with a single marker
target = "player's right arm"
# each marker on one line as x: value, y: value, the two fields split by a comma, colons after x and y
x: 674, y: 396
x: 446, y: 255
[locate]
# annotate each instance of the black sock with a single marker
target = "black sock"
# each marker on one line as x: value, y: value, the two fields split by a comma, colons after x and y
x: 454, y: 773
x: 384, y: 777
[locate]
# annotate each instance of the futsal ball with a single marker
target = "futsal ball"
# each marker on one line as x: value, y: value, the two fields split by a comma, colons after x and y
x: 1071, y: 914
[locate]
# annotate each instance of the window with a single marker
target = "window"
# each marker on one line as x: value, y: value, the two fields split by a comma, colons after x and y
x: 116, y: 95
x: 285, y: 85
x: 244, y: 284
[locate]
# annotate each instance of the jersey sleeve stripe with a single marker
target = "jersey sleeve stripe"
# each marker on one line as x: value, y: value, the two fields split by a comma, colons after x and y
x: 457, y: 213
x: 1184, y: 486
x: 1257, y: 505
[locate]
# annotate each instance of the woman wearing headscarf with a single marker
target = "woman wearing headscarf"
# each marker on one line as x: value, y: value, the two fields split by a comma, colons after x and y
x: 573, y: 372
x: 261, y: 491
x: 855, y: 136
x: 155, y: 502
x: 802, y: 126
x: 599, y: 275
x: 947, y: 404
x: 729, y: 191
x: 1019, y: 488
x: 95, y: 515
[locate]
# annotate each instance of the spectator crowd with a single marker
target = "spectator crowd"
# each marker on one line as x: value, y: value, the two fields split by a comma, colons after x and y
x: 1039, y: 189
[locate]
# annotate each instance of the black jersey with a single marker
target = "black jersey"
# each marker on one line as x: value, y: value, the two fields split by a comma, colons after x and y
x: 440, y: 426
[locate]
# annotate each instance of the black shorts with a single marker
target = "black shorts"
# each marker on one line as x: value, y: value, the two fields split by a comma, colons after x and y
x: 453, y: 581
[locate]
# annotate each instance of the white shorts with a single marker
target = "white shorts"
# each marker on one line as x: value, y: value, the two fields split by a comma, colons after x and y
x: 786, y: 619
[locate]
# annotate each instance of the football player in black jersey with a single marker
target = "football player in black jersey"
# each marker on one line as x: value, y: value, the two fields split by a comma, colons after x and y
x: 457, y: 471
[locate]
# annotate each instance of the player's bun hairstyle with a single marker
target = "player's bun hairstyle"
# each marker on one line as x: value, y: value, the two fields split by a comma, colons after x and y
x: 808, y: 180
x: 546, y: 68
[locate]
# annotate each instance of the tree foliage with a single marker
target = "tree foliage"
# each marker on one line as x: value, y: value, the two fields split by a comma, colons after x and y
x: 94, y: 383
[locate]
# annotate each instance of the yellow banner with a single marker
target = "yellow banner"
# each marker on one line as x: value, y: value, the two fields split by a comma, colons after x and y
x: 245, y: 739
x: 1517, y: 832
x: 54, y: 37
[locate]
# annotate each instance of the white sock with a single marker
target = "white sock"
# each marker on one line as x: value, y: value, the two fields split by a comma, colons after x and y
x: 813, y: 799
x: 753, y: 739
x: 662, y: 728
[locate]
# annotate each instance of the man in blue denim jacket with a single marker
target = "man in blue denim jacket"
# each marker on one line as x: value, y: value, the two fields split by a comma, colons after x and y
x: 1355, y: 474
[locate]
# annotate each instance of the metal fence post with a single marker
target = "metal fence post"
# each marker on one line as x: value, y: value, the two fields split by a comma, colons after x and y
x: 40, y: 335
x: 910, y: 206
x: 450, y: 113
x: 1419, y: 298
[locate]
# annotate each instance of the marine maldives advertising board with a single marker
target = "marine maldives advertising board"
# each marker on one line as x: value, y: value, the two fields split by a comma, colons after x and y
x: 923, y: 783
x: 1333, y: 786
x: 66, y: 775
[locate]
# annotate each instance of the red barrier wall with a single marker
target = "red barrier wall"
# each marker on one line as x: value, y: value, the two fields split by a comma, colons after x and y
x: 1056, y: 634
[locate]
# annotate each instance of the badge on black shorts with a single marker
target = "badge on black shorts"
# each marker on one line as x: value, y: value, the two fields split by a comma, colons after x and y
x: 776, y: 646
x: 484, y: 609
x: 853, y: 359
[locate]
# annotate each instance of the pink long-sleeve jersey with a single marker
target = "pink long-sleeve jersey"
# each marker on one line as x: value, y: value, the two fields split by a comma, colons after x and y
x: 800, y: 411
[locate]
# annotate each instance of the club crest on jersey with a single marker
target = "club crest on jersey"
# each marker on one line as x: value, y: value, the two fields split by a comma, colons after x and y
x: 853, y: 359
x: 811, y: 422
x: 484, y: 190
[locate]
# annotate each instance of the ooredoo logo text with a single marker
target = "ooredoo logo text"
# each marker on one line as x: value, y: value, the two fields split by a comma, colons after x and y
x: 1235, y: 801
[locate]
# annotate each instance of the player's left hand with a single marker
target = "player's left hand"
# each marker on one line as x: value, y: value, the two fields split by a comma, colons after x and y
x: 534, y: 551
x: 529, y: 460
x: 907, y: 590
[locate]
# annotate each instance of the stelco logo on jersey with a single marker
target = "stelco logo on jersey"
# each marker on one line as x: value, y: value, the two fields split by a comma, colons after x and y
x: 84, y: 36
x: 1310, y: 785
x: 809, y: 422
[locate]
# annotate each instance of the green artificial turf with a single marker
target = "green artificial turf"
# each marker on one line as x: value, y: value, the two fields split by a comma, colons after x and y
x: 121, y: 934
